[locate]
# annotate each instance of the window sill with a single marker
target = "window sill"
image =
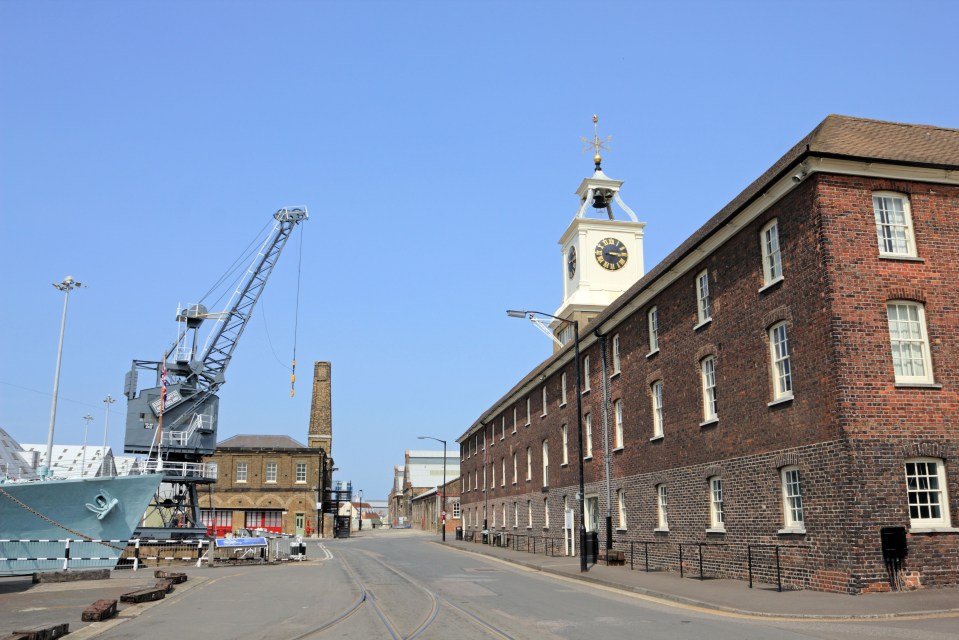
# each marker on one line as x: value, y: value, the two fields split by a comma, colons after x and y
x: 661, y: 530
x: 587, y: 458
x: 615, y: 375
x: 617, y: 449
x: 655, y: 438
x: 770, y: 285
x: 585, y: 391
x: 934, y: 529
x: 779, y: 401
x: 621, y: 529
x: 565, y: 464
x: 898, y: 256
x: 716, y: 531
x: 710, y: 422
x: 792, y: 531
x: 542, y: 415
x: 652, y: 353
x: 918, y: 385
x: 526, y: 425
x: 562, y: 405
x: 702, y: 324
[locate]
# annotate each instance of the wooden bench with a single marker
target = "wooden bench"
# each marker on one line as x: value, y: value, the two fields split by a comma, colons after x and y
x: 613, y: 556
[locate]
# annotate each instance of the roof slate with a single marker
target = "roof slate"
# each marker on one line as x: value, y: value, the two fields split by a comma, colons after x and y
x: 260, y: 442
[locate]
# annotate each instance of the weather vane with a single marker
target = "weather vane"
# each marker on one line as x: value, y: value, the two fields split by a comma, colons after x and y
x: 595, y: 143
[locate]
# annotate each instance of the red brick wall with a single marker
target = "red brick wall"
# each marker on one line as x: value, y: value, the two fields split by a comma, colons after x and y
x: 848, y: 427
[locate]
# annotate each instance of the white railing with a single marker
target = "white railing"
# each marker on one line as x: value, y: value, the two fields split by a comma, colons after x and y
x: 182, y: 469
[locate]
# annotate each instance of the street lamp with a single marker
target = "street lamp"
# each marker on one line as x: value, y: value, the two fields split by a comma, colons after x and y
x: 360, y: 520
x: 83, y: 465
x: 581, y: 498
x: 106, y: 422
x: 443, y: 499
x: 66, y: 286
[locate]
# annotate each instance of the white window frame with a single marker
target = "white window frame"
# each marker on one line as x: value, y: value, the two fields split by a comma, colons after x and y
x: 616, y: 358
x: 794, y: 517
x: 780, y: 358
x: 515, y: 469
x: 514, y: 419
x: 704, y: 311
x: 492, y: 474
x: 909, y: 342
x: 565, y: 430
x: 502, y: 432
x: 717, y: 512
x: 515, y: 515
x: 618, y: 423
x: 529, y: 463
x: 545, y: 406
x: 621, y: 508
x: 502, y: 472
x: 241, y: 472
x: 546, y: 513
x: 585, y: 374
x: 545, y: 463
x: 562, y: 382
x: 926, y: 493
x: 300, y: 473
x: 772, y: 255
x: 505, y: 517
x: 529, y: 514
x: 456, y: 509
x: 588, y: 436
x: 708, y: 369
x: 894, y: 234
x: 652, y: 325
x: 529, y: 410
x: 662, y: 508
x: 656, y: 394
x: 271, y: 473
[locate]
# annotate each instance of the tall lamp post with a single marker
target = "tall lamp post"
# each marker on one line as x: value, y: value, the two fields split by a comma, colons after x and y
x: 106, y: 421
x: 83, y: 465
x: 66, y: 286
x: 581, y: 497
x: 360, y: 519
x: 443, y: 499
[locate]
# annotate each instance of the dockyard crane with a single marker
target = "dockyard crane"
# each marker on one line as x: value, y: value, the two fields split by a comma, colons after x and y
x: 175, y: 421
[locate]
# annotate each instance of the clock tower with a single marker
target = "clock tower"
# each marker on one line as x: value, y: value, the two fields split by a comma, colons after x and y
x: 602, y: 255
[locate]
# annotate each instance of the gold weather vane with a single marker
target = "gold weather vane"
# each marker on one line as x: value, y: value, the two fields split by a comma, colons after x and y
x: 595, y: 143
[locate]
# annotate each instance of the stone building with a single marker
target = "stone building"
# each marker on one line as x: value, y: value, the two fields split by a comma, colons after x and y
x: 782, y: 385
x: 272, y: 482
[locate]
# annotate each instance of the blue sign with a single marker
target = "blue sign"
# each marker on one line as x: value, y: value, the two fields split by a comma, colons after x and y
x: 240, y: 542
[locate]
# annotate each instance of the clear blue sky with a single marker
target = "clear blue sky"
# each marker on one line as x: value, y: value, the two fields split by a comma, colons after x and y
x: 436, y: 144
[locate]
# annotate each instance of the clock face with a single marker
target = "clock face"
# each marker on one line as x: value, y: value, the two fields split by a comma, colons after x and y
x: 611, y: 254
x: 571, y: 262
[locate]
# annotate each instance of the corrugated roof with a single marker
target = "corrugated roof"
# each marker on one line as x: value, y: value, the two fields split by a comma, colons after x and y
x: 260, y: 442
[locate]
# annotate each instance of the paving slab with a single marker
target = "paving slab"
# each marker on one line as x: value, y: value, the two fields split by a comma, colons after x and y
x: 732, y: 595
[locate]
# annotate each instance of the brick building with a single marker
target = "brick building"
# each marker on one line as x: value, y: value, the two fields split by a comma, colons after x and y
x: 784, y: 381
x: 272, y: 482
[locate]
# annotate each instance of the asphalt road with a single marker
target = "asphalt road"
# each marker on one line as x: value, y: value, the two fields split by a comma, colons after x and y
x: 399, y: 584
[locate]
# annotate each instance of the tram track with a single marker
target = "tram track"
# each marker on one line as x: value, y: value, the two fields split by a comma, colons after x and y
x: 368, y: 596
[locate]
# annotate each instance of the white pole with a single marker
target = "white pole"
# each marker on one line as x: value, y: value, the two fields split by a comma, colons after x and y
x: 106, y: 423
x: 65, y: 286
x: 83, y: 465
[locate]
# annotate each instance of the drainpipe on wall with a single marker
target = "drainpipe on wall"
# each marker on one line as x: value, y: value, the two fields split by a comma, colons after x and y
x: 606, y: 451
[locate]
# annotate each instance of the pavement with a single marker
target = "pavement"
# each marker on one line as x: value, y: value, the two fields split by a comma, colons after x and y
x: 733, y: 596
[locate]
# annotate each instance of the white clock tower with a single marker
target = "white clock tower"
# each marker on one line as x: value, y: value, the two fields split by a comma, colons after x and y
x: 602, y: 256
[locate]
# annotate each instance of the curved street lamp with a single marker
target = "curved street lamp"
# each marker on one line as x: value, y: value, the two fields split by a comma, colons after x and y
x: 443, y: 499
x: 581, y: 498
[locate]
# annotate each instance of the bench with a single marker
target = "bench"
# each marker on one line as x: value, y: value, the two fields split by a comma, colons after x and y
x: 612, y: 556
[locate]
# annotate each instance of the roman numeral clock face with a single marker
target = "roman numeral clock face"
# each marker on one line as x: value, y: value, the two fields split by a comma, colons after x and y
x: 611, y: 254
